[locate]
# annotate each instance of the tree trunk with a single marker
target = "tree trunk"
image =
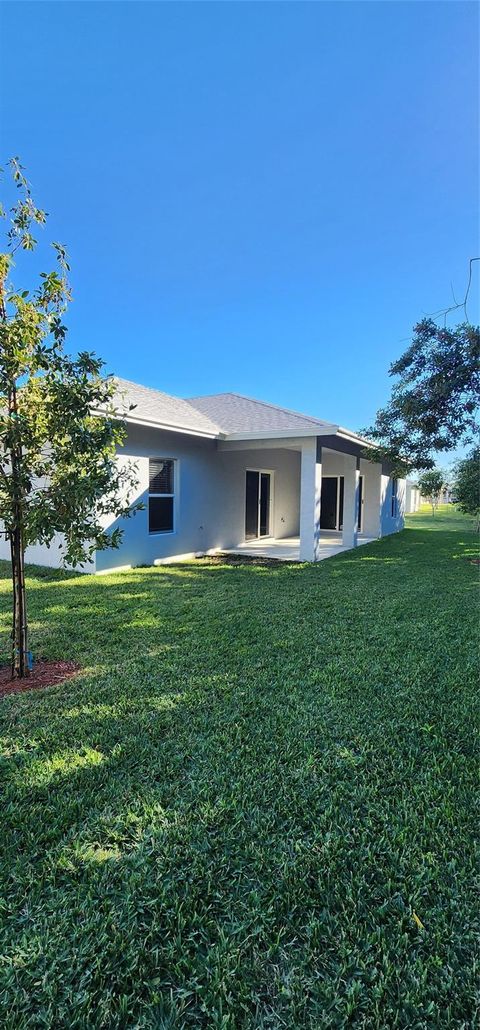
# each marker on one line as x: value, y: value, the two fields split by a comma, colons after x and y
x: 20, y: 663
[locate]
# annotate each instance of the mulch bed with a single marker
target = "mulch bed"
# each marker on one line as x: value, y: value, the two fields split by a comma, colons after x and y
x: 244, y: 559
x: 43, y: 674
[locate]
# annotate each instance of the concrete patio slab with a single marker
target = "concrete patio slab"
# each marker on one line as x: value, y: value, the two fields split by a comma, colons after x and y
x: 288, y: 549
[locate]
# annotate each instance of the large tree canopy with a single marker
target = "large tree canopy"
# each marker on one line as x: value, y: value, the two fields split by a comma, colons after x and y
x: 434, y: 402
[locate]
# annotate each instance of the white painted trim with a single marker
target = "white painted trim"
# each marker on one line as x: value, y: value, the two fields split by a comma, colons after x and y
x: 175, y: 495
x: 153, y: 424
x: 283, y: 434
x: 298, y: 434
x: 346, y: 434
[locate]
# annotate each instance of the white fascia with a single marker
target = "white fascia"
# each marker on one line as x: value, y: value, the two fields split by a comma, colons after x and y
x: 346, y: 434
x: 282, y: 434
x: 154, y: 424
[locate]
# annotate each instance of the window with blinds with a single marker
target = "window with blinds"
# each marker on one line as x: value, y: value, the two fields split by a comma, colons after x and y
x: 161, y: 495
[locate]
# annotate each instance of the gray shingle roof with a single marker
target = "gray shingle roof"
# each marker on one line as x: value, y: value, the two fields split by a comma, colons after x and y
x: 216, y: 415
x: 157, y: 407
x: 237, y: 414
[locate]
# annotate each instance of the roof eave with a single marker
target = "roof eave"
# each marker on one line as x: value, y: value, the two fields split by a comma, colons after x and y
x: 266, y: 434
x: 169, y: 428
x: 282, y: 434
x: 346, y: 434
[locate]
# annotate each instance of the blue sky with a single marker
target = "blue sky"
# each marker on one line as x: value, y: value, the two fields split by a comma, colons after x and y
x: 256, y: 197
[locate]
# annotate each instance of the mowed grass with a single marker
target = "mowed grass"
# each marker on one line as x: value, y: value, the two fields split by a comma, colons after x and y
x: 255, y: 807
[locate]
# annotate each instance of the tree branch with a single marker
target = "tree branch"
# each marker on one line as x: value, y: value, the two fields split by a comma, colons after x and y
x: 444, y: 312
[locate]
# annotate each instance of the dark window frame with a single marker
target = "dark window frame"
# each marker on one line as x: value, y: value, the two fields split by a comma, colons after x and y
x: 394, y: 498
x: 154, y: 494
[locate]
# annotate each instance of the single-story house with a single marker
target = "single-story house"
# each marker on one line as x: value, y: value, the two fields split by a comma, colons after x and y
x: 228, y: 473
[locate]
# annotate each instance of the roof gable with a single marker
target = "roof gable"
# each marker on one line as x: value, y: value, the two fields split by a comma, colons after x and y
x: 235, y: 413
x: 161, y: 409
x: 219, y: 415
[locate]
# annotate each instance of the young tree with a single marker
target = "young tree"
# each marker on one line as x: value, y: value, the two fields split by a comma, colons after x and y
x: 59, y: 429
x: 467, y: 484
x: 431, y: 484
x: 434, y: 403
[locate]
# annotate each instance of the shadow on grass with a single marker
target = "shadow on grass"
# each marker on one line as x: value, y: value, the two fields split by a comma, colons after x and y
x: 110, y: 620
x: 262, y: 770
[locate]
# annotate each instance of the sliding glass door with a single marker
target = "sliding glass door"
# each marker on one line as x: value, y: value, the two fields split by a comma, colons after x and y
x: 331, y: 505
x: 257, y: 504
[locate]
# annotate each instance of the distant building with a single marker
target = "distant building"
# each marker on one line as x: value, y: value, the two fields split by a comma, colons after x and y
x: 412, y: 497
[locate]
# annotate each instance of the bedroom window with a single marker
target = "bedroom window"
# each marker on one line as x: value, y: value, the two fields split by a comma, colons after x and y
x: 161, y: 495
x: 394, y: 498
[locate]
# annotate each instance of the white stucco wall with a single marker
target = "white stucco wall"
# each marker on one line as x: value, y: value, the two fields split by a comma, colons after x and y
x: 372, y: 473
x: 196, y: 499
x: 197, y: 488
x: 332, y: 463
x: 389, y: 524
x: 209, y: 500
x: 39, y: 554
x: 377, y: 494
x: 210, y: 497
x: 285, y: 466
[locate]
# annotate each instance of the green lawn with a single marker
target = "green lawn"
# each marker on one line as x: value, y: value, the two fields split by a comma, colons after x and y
x: 261, y: 776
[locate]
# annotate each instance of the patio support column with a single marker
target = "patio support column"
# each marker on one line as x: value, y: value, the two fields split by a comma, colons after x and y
x: 310, y: 494
x: 372, y: 521
x: 350, y: 500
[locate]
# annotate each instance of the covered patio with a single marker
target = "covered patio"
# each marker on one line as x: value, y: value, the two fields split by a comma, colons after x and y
x: 288, y: 548
x: 302, y: 498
